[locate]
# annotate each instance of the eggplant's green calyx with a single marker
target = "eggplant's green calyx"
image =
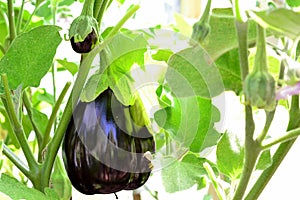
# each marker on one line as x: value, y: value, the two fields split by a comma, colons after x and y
x: 82, y: 26
x: 260, y: 90
x: 83, y: 33
x: 200, y: 31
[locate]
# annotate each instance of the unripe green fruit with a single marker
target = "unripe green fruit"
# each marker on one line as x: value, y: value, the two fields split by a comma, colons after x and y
x: 260, y: 90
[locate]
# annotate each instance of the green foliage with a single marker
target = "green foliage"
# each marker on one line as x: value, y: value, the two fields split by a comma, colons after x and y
x: 121, y: 54
x: 191, y: 72
x: 184, y: 173
x: 30, y: 56
x: 281, y: 21
x: 293, y: 3
x: 189, y: 121
x: 16, y: 190
x: 230, y: 156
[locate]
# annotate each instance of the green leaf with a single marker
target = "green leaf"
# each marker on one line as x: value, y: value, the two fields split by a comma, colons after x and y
x: 6, y: 125
x: 264, y: 160
x: 211, y: 139
x: 293, y: 3
x: 222, y: 37
x: 70, y: 66
x: 60, y: 182
x: 30, y: 56
x: 189, y: 121
x: 41, y: 95
x: 183, y: 174
x: 121, y: 1
x: 191, y: 72
x: 282, y: 21
x: 162, y: 55
x: 16, y: 190
x: 229, y: 67
x: 27, y: 126
x: 182, y: 25
x: 40, y: 119
x: 230, y: 156
x: 121, y: 55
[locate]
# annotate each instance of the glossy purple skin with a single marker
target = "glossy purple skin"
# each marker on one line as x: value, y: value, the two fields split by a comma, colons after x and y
x: 99, y: 157
x: 85, y: 46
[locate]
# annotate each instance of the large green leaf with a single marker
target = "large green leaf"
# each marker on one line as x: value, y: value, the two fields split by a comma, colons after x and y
x: 191, y: 72
x: 230, y: 156
x: 185, y: 173
x: 293, y: 3
x: 121, y: 54
x: 282, y: 21
x: 16, y: 190
x: 30, y: 56
x: 229, y: 67
x: 189, y: 121
x: 223, y: 36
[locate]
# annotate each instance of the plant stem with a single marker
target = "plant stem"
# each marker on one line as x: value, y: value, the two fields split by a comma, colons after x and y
x: 16, y: 161
x: 2, y: 49
x: 286, y: 137
x: 242, y: 29
x: 220, y: 192
x: 97, y: 5
x: 260, y: 62
x: 269, y: 119
x: 12, y: 28
x: 279, y: 155
x: 119, y: 25
x: 252, y: 148
x: 20, y: 17
x: 88, y: 7
x: 18, y: 129
x: 84, y: 67
x: 53, y: 115
x: 28, y: 107
x: 252, y: 151
x: 101, y: 11
x: 240, y: 14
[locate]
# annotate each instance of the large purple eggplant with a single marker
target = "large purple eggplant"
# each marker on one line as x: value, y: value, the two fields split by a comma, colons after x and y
x: 104, y: 150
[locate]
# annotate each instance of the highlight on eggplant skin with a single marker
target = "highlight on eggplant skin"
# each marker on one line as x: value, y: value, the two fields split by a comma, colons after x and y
x: 100, y: 157
x: 85, y: 46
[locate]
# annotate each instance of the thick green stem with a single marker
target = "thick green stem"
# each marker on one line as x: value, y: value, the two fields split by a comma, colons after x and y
x: 279, y: 155
x: 252, y: 151
x: 260, y: 63
x: 12, y: 28
x: 18, y: 129
x: 53, y: 115
x: 252, y: 148
x: 88, y: 7
x: 242, y: 29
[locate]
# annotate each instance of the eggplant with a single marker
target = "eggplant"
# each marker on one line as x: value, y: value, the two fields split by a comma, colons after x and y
x: 86, y: 45
x: 103, y: 150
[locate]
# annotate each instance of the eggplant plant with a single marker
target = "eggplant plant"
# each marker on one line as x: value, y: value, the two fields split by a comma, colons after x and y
x: 142, y: 101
